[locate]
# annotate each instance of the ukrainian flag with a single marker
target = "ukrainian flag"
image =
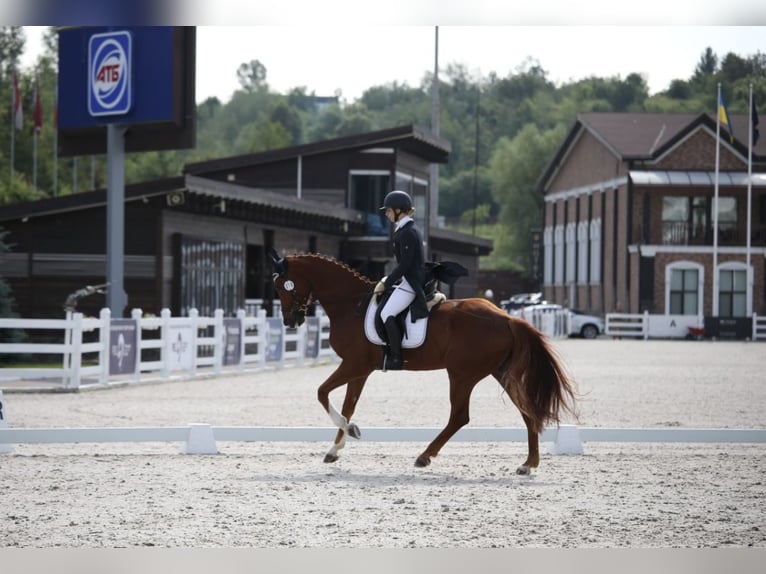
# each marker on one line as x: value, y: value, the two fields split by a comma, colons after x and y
x: 723, y: 118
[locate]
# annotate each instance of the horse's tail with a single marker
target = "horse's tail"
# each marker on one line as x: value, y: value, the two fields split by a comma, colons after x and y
x: 535, y: 377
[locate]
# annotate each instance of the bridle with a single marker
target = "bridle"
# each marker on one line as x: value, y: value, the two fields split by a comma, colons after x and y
x: 299, y: 304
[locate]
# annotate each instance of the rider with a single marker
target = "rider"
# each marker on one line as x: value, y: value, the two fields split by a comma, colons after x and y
x: 408, y: 250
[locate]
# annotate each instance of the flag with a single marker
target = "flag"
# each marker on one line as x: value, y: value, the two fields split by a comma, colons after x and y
x: 18, y: 115
x: 754, y: 119
x: 723, y: 117
x: 38, y: 113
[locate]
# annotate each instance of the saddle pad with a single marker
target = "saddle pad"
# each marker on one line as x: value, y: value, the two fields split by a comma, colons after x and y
x: 413, y: 337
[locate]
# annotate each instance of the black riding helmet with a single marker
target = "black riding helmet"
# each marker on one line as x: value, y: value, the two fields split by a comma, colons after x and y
x: 397, y: 200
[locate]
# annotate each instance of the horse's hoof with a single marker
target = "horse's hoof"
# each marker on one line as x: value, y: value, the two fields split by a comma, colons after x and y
x: 422, y: 462
x: 330, y: 457
x: 353, y: 431
x: 524, y: 470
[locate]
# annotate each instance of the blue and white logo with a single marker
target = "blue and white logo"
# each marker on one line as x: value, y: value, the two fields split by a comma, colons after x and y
x: 109, y: 73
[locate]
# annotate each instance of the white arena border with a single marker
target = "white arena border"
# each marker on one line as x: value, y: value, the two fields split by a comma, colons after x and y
x: 201, y: 438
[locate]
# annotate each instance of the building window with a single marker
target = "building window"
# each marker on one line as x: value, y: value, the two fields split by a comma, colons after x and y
x: 571, y: 252
x: 732, y: 292
x: 684, y: 288
x: 675, y: 220
x: 548, y: 256
x: 685, y: 220
x: 582, y: 255
x: 595, y: 251
x: 367, y: 191
x: 727, y: 219
x: 558, y: 246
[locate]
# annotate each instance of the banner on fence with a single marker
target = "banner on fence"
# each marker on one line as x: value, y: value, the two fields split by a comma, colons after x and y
x: 232, y: 341
x: 123, y: 344
x: 181, y: 354
x: 274, y: 333
x: 312, y: 337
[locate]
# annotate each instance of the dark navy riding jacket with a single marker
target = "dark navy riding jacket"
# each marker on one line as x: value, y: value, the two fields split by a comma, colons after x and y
x: 410, y: 263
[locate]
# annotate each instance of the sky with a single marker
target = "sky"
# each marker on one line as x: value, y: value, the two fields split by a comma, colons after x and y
x: 349, y: 59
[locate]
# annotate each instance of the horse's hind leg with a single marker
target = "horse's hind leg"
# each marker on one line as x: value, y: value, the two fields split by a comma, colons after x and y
x: 533, y: 454
x: 355, y: 381
x: 533, y: 440
x: 460, y: 398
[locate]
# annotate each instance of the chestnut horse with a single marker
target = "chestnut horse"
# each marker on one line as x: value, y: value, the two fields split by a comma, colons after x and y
x: 470, y: 338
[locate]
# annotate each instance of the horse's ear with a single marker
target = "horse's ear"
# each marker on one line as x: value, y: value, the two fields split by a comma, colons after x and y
x: 280, y: 263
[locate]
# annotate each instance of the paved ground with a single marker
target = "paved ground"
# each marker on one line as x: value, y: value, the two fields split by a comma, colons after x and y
x: 269, y: 495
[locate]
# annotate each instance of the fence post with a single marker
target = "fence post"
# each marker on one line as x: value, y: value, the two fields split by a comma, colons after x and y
x: 219, y: 336
x: 300, y: 345
x: 76, y: 358
x: 262, y: 327
x: 645, y: 325
x: 194, y: 318
x: 166, y: 342
x: 241, y: 316
x: 137, y: 316
x: 105, y: 354
x: 67, y: 357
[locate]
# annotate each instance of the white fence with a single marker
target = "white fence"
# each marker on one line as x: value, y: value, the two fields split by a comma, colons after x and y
x: 99, y: 351
x: 645, y: 326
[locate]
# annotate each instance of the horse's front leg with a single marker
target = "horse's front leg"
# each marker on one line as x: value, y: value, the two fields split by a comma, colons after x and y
x: 355, y: 384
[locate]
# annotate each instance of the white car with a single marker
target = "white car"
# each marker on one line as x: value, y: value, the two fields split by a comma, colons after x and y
x: 580, y: 324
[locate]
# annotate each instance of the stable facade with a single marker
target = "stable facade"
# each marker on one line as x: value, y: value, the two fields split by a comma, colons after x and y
x: 202, y: 240
x: 630, y: 223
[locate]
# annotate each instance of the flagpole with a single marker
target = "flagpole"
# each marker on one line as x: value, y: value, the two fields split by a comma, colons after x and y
x: 715, y: 201
x: 13, y: 129
x: 56, y: 141
x: 748, y: 274
x: 34, y: 161
x: 37, y: 128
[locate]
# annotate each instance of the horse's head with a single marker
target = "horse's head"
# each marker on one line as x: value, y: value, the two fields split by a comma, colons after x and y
x: 294, y: 291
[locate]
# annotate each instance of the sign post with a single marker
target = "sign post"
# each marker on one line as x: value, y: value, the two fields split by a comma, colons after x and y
x: 123, y: 90
x: 110, y: 94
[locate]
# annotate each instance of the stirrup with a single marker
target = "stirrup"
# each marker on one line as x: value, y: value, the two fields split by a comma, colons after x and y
x: 392, y: 363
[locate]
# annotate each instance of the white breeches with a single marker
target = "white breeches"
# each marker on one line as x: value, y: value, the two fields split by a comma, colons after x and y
x: 400, y: 299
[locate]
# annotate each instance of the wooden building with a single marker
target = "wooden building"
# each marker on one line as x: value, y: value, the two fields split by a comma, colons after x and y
x: 629, y: 217
x: 201, y: 240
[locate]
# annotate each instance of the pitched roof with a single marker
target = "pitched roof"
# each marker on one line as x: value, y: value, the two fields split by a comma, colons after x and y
x: 411, y: 138
x: 638, y: 136
x: 635, y: 135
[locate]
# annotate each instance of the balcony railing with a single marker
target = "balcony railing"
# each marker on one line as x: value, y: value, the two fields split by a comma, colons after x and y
x: 675, y: 233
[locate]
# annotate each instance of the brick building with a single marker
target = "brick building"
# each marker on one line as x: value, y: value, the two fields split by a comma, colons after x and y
x: 629, y: 217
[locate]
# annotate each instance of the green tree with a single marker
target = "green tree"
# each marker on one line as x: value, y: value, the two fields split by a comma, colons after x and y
x: 252, y: 76
x: 515, y: 168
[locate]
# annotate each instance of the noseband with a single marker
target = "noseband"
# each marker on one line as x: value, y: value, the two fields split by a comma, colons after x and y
x: 298, y: 303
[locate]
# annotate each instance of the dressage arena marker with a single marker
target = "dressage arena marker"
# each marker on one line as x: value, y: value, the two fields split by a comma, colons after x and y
x: 201, y: 438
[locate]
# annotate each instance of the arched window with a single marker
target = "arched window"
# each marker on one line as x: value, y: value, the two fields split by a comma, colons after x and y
x: 684, y: 281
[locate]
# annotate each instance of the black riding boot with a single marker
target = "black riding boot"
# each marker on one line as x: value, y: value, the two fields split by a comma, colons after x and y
x: 393, y: 359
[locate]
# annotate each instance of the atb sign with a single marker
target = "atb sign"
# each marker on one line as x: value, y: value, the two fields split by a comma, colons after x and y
x: 109, y: 74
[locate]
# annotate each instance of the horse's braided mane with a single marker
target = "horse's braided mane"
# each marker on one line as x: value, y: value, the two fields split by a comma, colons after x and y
x: 340, y: 264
